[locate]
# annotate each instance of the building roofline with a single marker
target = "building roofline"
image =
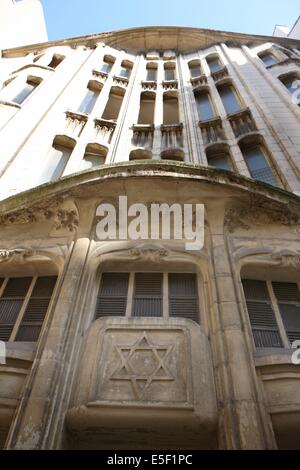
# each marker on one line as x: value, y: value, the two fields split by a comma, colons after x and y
x: 294, y: 25
x: 182, y: 39
x: 72, y: 184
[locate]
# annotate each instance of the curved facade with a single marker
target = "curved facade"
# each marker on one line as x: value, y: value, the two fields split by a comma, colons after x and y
x: 140, y: 343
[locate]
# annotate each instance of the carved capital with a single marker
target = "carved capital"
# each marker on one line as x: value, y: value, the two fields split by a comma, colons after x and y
x: 64, y: 216
x: 258, y: 213
x: 15, y: 256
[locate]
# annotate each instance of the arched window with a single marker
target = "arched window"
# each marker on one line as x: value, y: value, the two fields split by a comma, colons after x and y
x: 57, y: 158
x: 147, y: 108
x: 108, y: 62
x: 170, y: 107
x: 268, y: 58
x: 89, y: 100
x: 255, y: 155
x: 219, y: 157
x: 154, y: 294
x: 195, y: 68
x: 31, y: 84
x: 170, y: 71
x: 151, y: 75
x: 94, y: 155
x: 204, y: 105
x: 292, y: 82
x: 126, y: 69
x: 229, y: 98
x: 24, y: 302
x: 214, y: 63
x: 114, y: 103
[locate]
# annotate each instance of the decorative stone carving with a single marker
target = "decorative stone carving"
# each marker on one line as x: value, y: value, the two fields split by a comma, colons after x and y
x: 149, y: 254
x: 142, y: 364
x: 144, y: 373
x: 289, y: 259
x: 63, y: 217
x: 257, y: 212
x: 15, y: 256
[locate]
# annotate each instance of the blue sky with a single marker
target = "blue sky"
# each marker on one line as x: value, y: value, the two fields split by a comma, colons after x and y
x: 67, y: 18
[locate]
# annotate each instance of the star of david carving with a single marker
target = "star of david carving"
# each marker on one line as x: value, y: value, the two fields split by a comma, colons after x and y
x: 142, y: 364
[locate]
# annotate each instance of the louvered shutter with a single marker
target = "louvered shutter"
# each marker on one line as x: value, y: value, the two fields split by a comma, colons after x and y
x: 262, y: 318
x: 183, y: 297
x: 148, y: 295
x: 112, y: 295
x: 36, y: 309
x: 288, y: 297
x: 10, y: 304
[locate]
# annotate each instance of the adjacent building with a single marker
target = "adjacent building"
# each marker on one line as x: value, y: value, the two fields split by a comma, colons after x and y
x: 140, y: 344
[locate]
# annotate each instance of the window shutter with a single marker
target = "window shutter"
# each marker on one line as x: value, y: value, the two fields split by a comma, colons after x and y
x: 148, y: 295
x: 112, y: 295
x: 36, y: 309
x: 11, y: 303
x: 262, y: 318
x: 183, y: 298
x: 288, y: 297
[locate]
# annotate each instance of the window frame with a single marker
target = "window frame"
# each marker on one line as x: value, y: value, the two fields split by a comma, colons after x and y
x: 274, y: 302
x: 25, y: 302
x: 165, y: 293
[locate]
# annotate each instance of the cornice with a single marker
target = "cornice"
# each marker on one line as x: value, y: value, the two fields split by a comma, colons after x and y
x: 181, y: 39
x: 36, y: 201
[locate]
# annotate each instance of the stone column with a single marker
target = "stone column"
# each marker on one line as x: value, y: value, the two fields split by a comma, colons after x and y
x: 244, y: 422
x: 42, y: 395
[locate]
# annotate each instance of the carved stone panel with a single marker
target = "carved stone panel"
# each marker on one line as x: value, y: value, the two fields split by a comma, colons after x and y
x: 144, y: 365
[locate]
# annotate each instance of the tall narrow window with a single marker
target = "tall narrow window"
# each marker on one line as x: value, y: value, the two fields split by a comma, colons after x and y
x: 268, y: 58
x: 147, y: 108
x: 229, y: 99
x: 94, y: 156
x: 107, y: 64
x: 112, y: 295
x: 151, y: 75
x: 195, y: 68
x: 292, y: 83
x: 258, y: 165
x: 114, y: 103
x: 261, y: 313
x: 183, y: 296
x: 148, y: 295
x: 126, y: 69
x: 170, y: 71
x: 57, y: 159
x: 214, y: 63
x: 204, y: 106
x: 219, y: 157
x: 26, y: 91
x: 171, y: 110
x: 87, y: 104
x: 25, y: 302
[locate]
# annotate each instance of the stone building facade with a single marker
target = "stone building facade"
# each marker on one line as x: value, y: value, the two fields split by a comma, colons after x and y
x: 140, y: 343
